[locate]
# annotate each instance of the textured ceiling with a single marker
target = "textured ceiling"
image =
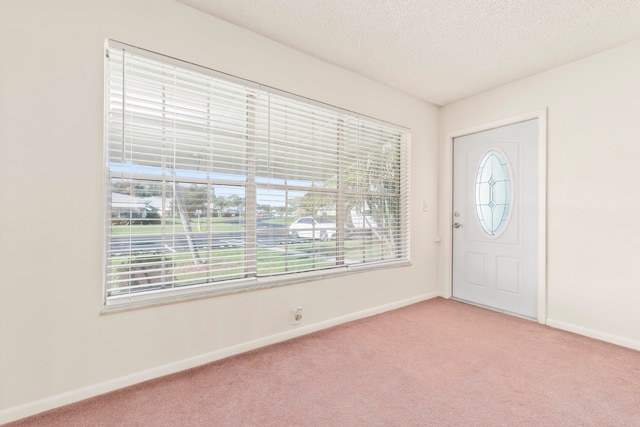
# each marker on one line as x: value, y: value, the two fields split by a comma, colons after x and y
x: 438, y: 50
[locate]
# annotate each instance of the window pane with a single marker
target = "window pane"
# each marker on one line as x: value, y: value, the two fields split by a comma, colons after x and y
x: 165, y: 235
x: 493, y: 192
x: 298, y: 145
x: 293, y: 231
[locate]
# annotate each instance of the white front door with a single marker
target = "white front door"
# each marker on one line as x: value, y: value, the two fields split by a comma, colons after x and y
x: 495, y: 218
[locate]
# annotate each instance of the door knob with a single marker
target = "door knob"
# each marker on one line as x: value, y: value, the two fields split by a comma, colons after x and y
x: 457, y: 225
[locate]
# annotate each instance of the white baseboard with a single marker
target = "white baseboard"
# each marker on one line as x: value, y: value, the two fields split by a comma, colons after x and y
x: 41, y: 405
x: 592, y: 333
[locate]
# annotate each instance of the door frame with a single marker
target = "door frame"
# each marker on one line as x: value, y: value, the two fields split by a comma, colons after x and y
x: 447, y: 211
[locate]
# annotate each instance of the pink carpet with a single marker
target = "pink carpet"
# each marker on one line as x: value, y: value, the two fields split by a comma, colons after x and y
x: 435, y: 363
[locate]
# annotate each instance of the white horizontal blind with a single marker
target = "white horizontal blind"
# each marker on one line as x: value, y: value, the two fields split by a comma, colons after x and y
x: 214, y: 182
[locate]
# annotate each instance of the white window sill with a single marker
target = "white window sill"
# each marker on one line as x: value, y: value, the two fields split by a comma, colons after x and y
x: 140, y: 300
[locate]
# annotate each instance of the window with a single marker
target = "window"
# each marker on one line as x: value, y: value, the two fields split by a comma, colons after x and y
x: 493, y: 193
x: 215, y: 184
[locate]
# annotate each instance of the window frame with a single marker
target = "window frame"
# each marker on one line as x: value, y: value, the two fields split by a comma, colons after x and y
x: 251, y: 186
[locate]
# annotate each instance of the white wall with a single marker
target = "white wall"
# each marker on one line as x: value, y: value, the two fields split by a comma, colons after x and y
x: 593, y: 283
x: 55, y: 345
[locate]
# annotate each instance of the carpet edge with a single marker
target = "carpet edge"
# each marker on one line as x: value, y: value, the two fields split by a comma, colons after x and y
x: 593, y: 333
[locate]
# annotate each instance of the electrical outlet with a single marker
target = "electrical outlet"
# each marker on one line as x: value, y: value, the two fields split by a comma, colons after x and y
x: 297, y: 316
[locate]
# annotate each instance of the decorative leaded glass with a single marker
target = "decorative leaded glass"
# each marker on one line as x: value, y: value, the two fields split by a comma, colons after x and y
x: 493, y: 192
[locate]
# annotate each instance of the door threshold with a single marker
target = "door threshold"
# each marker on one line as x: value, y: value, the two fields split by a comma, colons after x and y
x: 497, y: 310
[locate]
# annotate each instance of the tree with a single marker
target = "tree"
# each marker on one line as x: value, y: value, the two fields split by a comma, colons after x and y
x: 371, y: 184
x: 311, y: 202
x: 186, y: 222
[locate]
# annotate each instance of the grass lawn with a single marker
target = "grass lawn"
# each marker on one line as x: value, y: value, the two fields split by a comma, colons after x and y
x: 285, y: 222
x: 168, y: 270
x: 175, y: 269
x: 175, y: 225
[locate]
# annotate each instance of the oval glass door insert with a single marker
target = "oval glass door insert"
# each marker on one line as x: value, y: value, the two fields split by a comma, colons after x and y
x: 493, y: 193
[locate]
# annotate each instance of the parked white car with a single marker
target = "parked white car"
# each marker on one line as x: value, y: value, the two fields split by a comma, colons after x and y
x: 362, y: 219
x: 308, y: 227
